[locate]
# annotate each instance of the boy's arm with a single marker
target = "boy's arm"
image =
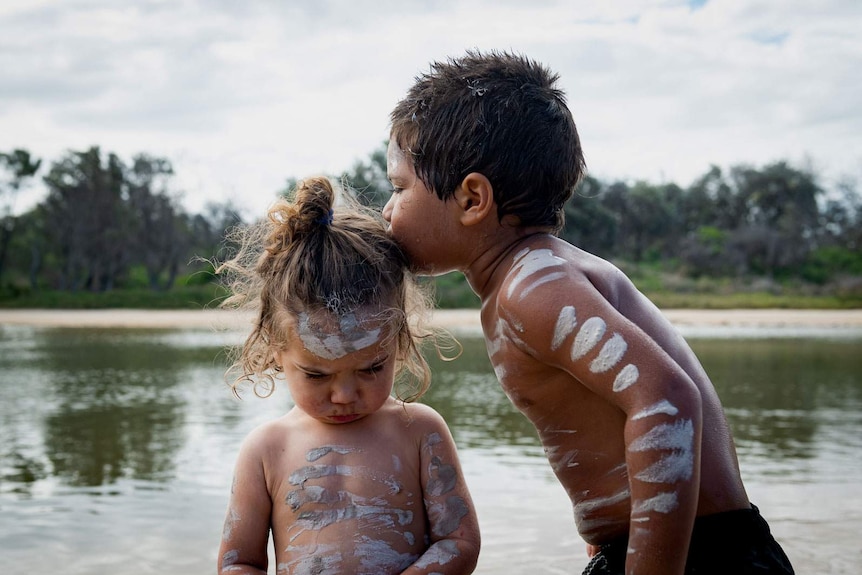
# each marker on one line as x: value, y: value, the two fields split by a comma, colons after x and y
x: 454, y: 526
x: 243, y: 547
x: 575, y: 329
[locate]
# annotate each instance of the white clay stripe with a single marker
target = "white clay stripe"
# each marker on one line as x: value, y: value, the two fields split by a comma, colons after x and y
x: 566, y: 323
x: 626, y: 377
x: 531, y: 263
x: 669, y: 469
x: 662, y: 407
x: 611, y: 353
x: 676, y: 435
x: 589, y: 335
x: 661, y: 503
x: 543, y: 280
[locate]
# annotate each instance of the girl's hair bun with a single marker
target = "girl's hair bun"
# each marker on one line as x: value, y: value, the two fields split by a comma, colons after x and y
x: 308, y: 213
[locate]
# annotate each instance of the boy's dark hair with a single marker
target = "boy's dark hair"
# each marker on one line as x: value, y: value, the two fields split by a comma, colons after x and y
x: 498, y: 114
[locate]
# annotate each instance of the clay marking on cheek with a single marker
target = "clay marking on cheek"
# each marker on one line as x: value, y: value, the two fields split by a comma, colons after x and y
x: 610, y: 354
x: 351, y: 337
x: 626, y: 377
x: 589, y: 335
x: 566, y: 323
x: 528, y: 263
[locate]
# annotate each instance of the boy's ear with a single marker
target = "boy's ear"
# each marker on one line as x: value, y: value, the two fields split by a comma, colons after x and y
x: 475, y: 197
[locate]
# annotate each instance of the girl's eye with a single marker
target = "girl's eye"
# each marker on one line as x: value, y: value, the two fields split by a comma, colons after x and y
x: 315, y: 376
x: 397, y: 190
x: 374, y: 369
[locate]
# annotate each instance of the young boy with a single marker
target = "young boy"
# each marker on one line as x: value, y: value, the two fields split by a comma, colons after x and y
x: 483, y: 155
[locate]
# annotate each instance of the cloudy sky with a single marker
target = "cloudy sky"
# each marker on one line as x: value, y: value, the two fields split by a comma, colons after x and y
x: 242, y: 95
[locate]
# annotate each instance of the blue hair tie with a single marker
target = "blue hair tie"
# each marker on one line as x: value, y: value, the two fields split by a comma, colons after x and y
x: 327, y: 219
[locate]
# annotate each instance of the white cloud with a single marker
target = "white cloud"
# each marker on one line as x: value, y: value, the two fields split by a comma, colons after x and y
x: 241, y: 96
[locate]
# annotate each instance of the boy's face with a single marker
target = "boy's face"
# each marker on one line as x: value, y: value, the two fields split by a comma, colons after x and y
x: 419, y: 221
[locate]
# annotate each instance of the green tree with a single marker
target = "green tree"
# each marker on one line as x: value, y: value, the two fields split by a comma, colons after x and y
x: 87, y: 221
x: 369, y: 180
x: 21, y: 167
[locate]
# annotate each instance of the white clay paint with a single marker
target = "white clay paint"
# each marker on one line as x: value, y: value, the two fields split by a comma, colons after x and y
x: 318, y: 452
x: 317, y: 559
x: 675, y: 466
x: 445, y: 516
x: 663, y: 407
x: 527, y: 263
x: 661, y: 503
x: 589, y: 335
x: 232, y: 519
x: 541, y: 281
x: 376, y: 556
x: 438, y: 554
x: 611, y: 353
x: 350, y: 338
x: 565, y: 325
x: 627, y: 377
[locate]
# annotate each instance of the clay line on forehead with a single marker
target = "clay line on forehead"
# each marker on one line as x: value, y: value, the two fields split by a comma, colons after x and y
x: 350, y: 338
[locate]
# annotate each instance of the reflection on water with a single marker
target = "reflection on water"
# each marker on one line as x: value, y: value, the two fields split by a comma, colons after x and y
x: 117, y: 448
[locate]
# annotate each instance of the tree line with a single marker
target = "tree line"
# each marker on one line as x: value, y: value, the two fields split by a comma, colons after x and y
x: 105, y: 223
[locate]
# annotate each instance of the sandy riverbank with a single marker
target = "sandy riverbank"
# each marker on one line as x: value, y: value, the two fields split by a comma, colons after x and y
x: 466, y: 319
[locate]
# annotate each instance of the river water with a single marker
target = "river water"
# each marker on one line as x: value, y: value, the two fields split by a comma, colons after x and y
x: 117, y: 447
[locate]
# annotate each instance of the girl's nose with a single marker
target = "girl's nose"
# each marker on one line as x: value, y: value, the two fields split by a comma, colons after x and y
x: 344, y: 392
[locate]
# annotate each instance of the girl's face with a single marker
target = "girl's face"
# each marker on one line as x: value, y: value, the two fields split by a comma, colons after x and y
x: 338, y: 371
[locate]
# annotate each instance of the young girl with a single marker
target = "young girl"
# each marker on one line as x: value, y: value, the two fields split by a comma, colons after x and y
x: 351, y: 479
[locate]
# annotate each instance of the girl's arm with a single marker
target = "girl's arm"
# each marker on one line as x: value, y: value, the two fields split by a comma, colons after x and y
x: 454, y: 527
x: 246, y: 529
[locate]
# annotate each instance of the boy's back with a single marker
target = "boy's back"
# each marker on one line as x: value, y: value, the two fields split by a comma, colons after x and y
x: 483, y: 156
x: 589, y: 361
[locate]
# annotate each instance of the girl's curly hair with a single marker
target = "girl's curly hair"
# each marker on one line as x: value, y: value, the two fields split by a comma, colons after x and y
x: 318, y: 250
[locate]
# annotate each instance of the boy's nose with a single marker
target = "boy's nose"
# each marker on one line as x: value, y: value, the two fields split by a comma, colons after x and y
x: 387, y: 209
